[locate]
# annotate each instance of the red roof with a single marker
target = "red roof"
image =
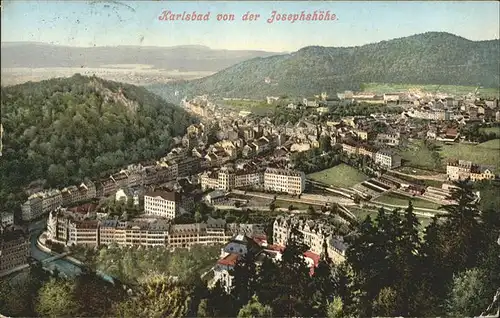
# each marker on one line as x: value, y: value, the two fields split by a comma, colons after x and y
x: 451, y: 132
x: 229, y: 260
x: 315, y: 257
x: 276, y: 247
x: 260, y: 239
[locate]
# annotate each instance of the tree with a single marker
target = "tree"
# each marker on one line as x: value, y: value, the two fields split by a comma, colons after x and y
x: 94, y: 304
x: 323, y: 284
x: 462, y: 229
x: 203, y: 310
x: 158, y: 296
x: 272, y: 206
x: 294, y: 277
x: 56, y: 299
x: 385, y: 304
x: 335, y: 308
x: 311, y: 210
x: 408, y: 262
x: 325, y: 144
x: 468, y: 296
x: 198, y: 217
x: 255, y: 309
x: 244, y: 278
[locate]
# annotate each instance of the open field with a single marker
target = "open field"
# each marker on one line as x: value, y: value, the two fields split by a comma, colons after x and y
x: 296, y: 205
x: 258, y: 107
x: 380, y: 88
x: 417, y: 156
x: 489, y: 130
x: 341, y: 175
x: 415, y: 171
x: 398, y: 199
x: 486, y: 153
x: 491, y: 144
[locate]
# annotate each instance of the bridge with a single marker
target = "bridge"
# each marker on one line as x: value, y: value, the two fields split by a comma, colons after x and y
x: 55, y: 257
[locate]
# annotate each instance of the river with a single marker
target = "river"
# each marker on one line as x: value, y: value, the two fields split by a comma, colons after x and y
x: 64, y: 266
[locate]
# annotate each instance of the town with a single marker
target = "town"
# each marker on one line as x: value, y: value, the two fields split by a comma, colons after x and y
x: 234, y: 160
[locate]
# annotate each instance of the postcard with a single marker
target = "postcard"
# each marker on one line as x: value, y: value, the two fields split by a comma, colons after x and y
x: 250, y: 159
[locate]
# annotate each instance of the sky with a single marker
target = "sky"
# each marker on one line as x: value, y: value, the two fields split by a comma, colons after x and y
x: 111, y: 23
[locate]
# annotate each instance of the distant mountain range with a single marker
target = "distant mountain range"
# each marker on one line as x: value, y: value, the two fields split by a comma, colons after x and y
x: 184, y: 58
x: 429, y: 58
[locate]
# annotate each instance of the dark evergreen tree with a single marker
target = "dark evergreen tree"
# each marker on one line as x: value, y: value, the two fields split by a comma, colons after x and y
x: 244, y: 279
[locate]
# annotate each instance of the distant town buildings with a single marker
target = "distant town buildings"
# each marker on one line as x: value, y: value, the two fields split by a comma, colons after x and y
x: 462, y: 170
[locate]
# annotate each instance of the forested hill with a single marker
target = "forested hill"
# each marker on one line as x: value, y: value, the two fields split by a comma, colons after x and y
x: 65, y: 129
x: 429, y: 58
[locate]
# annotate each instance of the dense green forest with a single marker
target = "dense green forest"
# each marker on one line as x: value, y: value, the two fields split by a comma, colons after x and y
x: 62, y: 130
x: 391, y: 270
x: 429, y: 58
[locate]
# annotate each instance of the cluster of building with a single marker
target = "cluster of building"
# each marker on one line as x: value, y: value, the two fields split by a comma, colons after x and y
x: 462, y: 110
x: 270, y: 179
x: 42, y: 202
x: 318, y: 236
x: 386, y: 157
x: 463, y: 169
x: 14, y: 248
x: 73, y: 227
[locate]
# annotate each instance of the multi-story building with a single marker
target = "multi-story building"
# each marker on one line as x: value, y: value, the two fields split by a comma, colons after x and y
x: 210, y: 233
x: 462, y: 170
x: 74, y: 194
x: 167, y: 204
x: 315, y: 236
x: 108, y: 186
x: 188, y: 166
x: 14, y: 248
x: 387, y: 159
x: 350, y: 149
x: 146, y: 233
x: 51, y: 200
x: 389, y: 139
x: 237, y: 247
x: 284, y: 180
x: 70, y: 229
x: 209, y: 180
x: 248, y: 178
x: 84, y: 232
x: 367, y: 151
x: 32, y: 208
x: 227, y: 179
x: 6, y: 220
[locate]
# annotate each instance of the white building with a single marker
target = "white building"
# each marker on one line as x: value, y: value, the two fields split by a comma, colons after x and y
x: 462, y: 169
x: 166, y: 204
x: 32, y: 208
x: 315, y: 235
x: 388, y: 159
x: 284, y: 180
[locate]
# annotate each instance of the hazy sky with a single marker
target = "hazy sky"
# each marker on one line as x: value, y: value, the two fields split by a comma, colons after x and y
x: 110, y: 23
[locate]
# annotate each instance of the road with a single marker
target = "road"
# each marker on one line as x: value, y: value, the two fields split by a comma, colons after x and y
x: 63, y: 266
x: 435, y: 177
